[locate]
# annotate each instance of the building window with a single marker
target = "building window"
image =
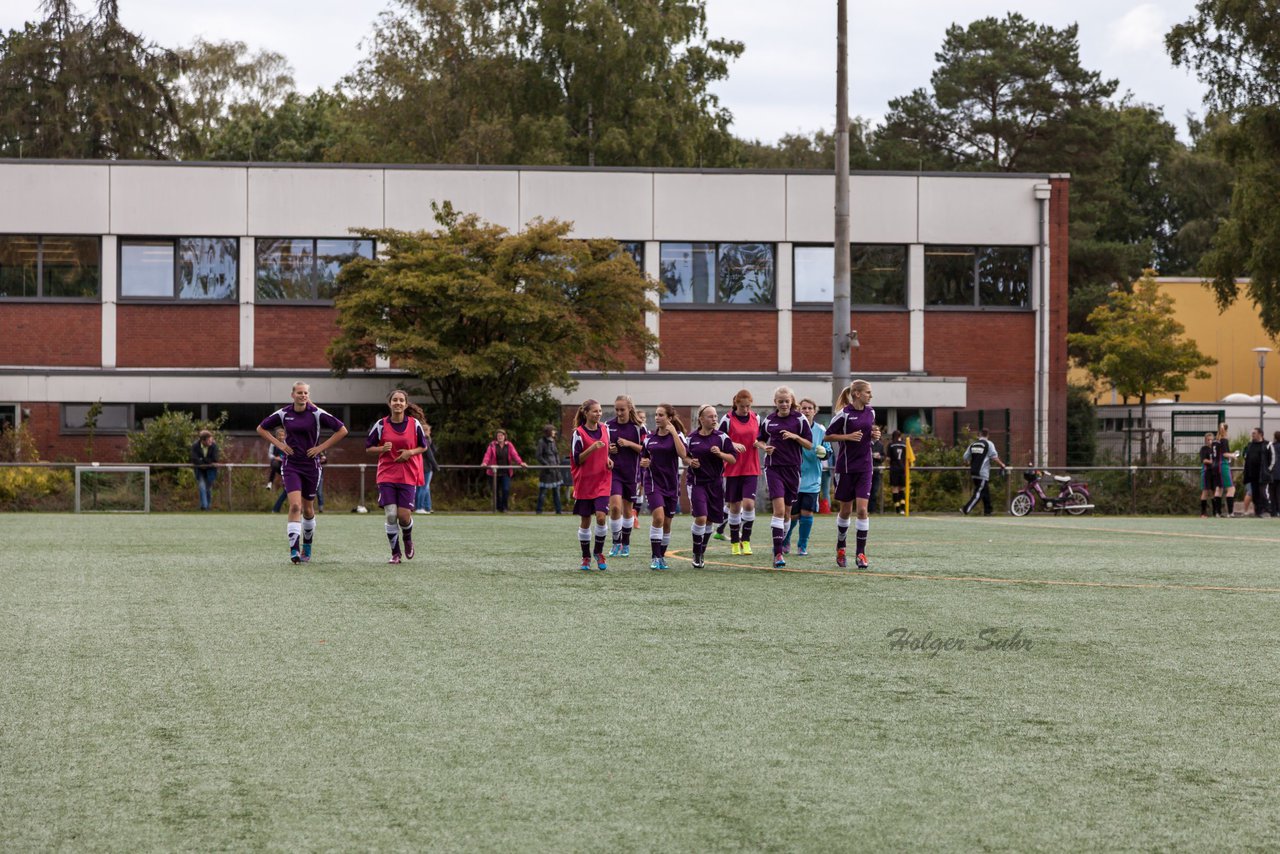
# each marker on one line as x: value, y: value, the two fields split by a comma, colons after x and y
x: 877, y: 274
x: 977, y: 276
x: 718, y: 273
x: 293, y: 269
x: 41, y: 267
x: 189, y: 268
x: 635, y: 250
x: 114, y: 417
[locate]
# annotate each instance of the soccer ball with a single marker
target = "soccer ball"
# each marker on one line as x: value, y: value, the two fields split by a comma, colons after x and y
x: 820, y: 451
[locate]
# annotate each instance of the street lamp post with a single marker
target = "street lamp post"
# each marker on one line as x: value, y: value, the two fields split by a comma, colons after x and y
x: 1262, y: 366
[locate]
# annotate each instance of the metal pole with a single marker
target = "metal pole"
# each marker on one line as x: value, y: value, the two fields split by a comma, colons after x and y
x: 840, y: 295
x: 1262, y: 366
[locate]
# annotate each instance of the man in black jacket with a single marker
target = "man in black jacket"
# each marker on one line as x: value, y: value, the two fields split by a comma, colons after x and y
x: 204, y: 459
x: 1257, y: 471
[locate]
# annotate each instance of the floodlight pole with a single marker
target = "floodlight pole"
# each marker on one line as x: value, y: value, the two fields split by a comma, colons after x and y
x: 840, y: 296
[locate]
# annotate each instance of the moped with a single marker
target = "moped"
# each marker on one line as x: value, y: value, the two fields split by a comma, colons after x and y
x: 1073, y: 495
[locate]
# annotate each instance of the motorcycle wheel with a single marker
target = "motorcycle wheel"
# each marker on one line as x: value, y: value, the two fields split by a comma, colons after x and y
x: 1074, y: 499
x: 1021, y: 504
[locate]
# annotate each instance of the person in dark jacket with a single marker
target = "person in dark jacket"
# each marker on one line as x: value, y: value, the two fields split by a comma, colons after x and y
x: 547, y: 454
x: 204, y: 459
x: 1257, y: 471
x: 1273, y: 465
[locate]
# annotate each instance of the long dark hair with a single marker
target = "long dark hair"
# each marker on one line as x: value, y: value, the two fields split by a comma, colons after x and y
x: 410, y: 408
x: 672, y: 418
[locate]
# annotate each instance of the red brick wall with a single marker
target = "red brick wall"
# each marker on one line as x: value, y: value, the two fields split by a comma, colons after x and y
x: 51, y: 334
x: 292, y: 336
x: 996, y: 352
x: 719, y: 341
x: 178, y: 336
x: 884, y: 337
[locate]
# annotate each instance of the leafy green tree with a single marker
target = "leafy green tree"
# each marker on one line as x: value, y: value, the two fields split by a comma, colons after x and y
x: 221, y: 81
x: 491, y: 322
x: 1082, y: 426
x: 72, y: 87
x: 815, y: 151
x: 1137, y: 346
x: 582, y: 82
x: 168, y: 437
x: 302, y: 129
x: 1234, y: 48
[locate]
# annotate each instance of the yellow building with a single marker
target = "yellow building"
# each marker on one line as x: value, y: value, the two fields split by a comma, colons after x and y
x: 1229, y: 337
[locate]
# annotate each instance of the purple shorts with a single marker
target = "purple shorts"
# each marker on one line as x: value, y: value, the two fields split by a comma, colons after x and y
x: 784, y: 483
x: 740, y: 486
x: 707, y: 499
x: 624, y: 486
x: 301, y: 477
x: 670, y: 504
x: 854, y: 484
x: 591, y: 506
x: 399, y: 494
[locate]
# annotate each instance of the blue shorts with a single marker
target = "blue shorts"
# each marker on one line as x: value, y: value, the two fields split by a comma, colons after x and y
x: 805, y: 501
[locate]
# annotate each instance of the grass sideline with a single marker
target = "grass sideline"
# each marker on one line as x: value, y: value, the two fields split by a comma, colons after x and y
x: 170, y: 682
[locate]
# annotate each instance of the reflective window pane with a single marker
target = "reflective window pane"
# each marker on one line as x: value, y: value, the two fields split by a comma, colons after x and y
x: 146, y: 269
x: 949, y: 275
x: 1004, y: 276
x: 114, y: 416
x: 285, y: 269
x: 70, y: 266
x: 878, y: 274
x: 745, y: 274
x: 18, y: 264
x: 687, y: 271
x: 330, y: 256
x: 814, y: 273
x: 636, y: 251
x: 207, y: 267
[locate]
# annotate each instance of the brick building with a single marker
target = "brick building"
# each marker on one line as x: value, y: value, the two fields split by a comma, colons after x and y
x: 202, y: 286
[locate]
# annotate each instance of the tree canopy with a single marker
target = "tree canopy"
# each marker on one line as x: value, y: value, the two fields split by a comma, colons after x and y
x: 490, y: 321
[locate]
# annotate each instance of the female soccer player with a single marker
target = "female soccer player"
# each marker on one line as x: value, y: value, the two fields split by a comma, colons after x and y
x: 854, y: 428
x: 742, y: 427
x: 302, y: 422
x: 626, y: 441
x: 660, y: 476
x: 810, y: 482
x: 1210, y: 477
x: 706, y: 453
x: 1225, y: 456
x: 784, y: 435
x: 399, y: 440
x: 592, y: 470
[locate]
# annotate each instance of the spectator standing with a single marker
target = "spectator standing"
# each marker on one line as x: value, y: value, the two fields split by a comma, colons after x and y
x: 1257, y: 471
x: 980, y: 454
x: 204, y: 459
x: 422, y: 501
x: 877, y: 475
x: 548, y: 456
x: 1273, y: 460
x: 499, y: 457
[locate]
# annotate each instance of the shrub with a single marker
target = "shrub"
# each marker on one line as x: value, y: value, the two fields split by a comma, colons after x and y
x: 167, y: 438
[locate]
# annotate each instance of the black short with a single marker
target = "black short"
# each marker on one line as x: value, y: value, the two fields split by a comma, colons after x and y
x: 805, y: 501
x: 897, y: 477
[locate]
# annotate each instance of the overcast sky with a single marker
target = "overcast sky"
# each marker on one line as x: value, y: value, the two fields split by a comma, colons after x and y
x: 785, y: 80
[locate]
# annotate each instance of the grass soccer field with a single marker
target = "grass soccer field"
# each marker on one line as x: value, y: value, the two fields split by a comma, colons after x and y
x: 172, y: 682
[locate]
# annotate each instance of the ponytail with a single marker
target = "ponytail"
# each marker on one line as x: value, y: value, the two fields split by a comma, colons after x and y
x: 581, y: 418
x: 672, y: 418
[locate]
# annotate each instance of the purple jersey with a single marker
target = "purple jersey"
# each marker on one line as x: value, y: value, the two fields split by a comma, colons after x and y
x: 301, y: 429
x: 663, y: 473
x: 853, y: 456
x: 710, y: 467
x: 786, y: 453
x: 626, y: 463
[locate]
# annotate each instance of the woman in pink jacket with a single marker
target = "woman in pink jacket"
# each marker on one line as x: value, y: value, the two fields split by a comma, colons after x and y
x: 500, y: 456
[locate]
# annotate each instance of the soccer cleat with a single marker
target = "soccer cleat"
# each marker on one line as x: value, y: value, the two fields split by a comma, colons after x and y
x: 861, y: 561
x: 786, y: 548
x: 306, y: 558
x: 408, y: 551
x: 662, y: 563
x: 586, y: 564
x: 698, y: 562
x: 779, y: 560
x: 801, y: 551
x: 735, y: 548
x: 600, y: 564
x: 626, y: 551
x: 616, y: 551
x: 395, y: 557
x: 746, y: 547
x: 655, y: 564
x: 295, y: 556
x: 841, y: 560
x: 719, y: 535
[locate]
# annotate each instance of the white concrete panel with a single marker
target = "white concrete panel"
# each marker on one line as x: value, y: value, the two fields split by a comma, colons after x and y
x: 144, y: 387
x: 904, y: 392
x: 313, y: 202
x: 653, y: 319
x: 248, y: 293
x: 109, y: 278
x: 979, y: 211
x: 195, y: 201
x: 494, y: 196
x: 882, y: 208
x: 599, y: 204
x: 915, y: 304
x: 744, y: 208
x: 55, y: 199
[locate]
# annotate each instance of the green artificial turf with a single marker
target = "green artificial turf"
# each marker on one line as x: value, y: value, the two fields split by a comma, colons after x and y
x: 171, y: 682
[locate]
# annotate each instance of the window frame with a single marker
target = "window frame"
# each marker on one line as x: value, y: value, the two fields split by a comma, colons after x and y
x: 821, y: 305
x: 718, y: 306
x: 176, y: 298
x: 975, y: 283
x: 39, y: 296
x: 315, y: 300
